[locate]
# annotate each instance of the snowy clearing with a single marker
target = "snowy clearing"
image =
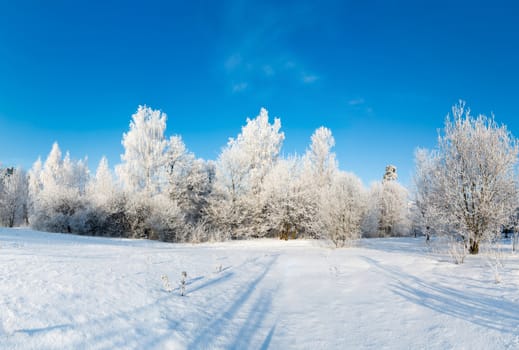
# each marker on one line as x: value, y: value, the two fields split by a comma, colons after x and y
x: 72, y: 292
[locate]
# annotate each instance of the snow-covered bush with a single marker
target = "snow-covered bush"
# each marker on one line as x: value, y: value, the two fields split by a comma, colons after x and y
x: 166, y: 284
x: 183, y: 282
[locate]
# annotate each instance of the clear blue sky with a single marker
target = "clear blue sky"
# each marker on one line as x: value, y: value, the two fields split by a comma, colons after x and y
x: 382, y: 75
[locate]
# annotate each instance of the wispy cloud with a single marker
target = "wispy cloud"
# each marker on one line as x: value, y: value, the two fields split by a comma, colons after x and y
x: 244, y: 70
x: 359, y: 105
x: 289, y: 65
x: 268, y: 70
x: 233, y: 61
x: 356, y: 102
x: 239, y: 87
x: 257, y: 54
x: 309, y: 78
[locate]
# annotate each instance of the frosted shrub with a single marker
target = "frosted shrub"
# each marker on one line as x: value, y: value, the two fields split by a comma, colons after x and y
x: 166, y: 284
x: 457, y: 250
x: 183, y: 279
x: 495, y: 258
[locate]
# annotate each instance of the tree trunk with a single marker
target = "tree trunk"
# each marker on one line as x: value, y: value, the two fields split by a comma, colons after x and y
x: 474, y: 247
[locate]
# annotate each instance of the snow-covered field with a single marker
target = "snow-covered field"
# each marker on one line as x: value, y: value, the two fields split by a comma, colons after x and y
x: 70, y: 292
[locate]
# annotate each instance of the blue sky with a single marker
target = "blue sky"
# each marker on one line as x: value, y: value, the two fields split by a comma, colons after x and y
x: 382, y: 75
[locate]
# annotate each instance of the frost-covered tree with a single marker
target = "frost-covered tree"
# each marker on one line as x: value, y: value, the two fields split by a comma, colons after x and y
x: 144, y: 160
x: 13, y: 197
x: 75, y: 174
x: 388, y: 211
x: 106, y: 211
x: 101, y: 187
x: 35, y: 184
x: 425, y: 215
x: 190, y: 180
x: 474, y: 182
x: 290, y: 207
x: 319, y: 170
x: 319, y: 159
x: 149, y: 212
x: 51, y: 174
x: 390, y: 174
x: 57, y: 193
x: 236, y: 205
x: 344, y: 208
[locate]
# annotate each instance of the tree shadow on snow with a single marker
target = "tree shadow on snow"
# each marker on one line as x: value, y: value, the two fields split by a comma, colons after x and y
x: 210, y: 333
x: 408, y: 245
x: 221, y: 278
x: 34, y: 331
x: 479, y: 308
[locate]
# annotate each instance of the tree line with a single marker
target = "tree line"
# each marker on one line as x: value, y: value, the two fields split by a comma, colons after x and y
x: 160, y: 190
x: 466, y: 188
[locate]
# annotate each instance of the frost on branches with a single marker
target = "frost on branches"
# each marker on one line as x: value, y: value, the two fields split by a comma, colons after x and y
x: 160, y: 190
x: 343, y: 208
x: 236, y: 206
x: 467, y: 187
x: 388, y: 208
x: 13, y: 197
x: 57, y: 193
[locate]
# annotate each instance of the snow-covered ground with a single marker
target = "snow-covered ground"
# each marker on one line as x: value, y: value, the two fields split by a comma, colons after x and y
x: 70, y: 292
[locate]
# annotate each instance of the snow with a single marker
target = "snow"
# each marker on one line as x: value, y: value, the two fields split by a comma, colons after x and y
x: 71, y: 292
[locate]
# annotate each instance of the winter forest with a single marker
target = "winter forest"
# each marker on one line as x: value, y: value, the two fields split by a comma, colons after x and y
x: 465, y: 189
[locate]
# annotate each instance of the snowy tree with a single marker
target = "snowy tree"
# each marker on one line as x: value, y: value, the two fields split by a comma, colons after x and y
x: 101, y: 187
x: 240, y: 172
x: 344, y: 208
x: 149, y: 212
x: 13, y: 197
x: 190, y: 180
x: 144, y: 160
x: 106, y: 212
x: 319, y: 170
x: 290, y: 208
x: 388, y: 211
x: 75, y: 174
x: 425, y: 215
x: 319, y: 159
x: 474, y: 182
x: 51, y: 174
x: 57, y: 193
x: 390, y: 174
x: 35, y: 184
